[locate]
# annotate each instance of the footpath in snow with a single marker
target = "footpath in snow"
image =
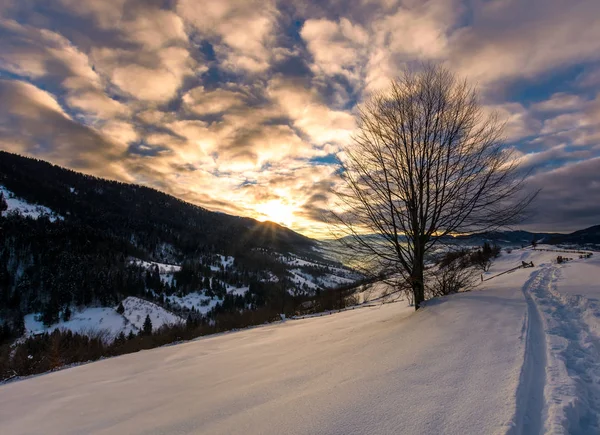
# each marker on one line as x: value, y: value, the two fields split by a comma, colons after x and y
x: 519, y: 355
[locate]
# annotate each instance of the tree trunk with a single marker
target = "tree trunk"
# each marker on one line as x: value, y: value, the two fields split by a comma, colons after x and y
x: 417, y: 277
x: 418, y: 288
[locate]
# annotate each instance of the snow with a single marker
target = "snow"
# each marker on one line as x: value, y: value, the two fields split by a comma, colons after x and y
x: 195, y: 300
x: 137, y: 309
x: 100, y: 321
x: 559, y: 385
x: 163, y: 268
x: 105, y: 321
x: 379, y: 291
x: 238, y: 291
x: 224, y: 261
x: 332, y: 281
x: 26, y: 209
x: 202, y: 303
x: 299, y: 278
x: 518, y: 355
x: 335, y: 277
x: 166, y: 271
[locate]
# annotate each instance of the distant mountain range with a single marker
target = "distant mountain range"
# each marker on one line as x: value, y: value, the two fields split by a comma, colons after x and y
x: 586, y: 237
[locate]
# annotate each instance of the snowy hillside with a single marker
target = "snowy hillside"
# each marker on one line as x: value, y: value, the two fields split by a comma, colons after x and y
x: 25, y: 209
x: 309, y: 275
x: 107, y: 322
x: 90, y: 321
x: 137, y: 309
x: 519, y: 355
x: 163, y: 269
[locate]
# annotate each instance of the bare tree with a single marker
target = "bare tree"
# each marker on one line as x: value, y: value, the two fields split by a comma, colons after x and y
x: 426, y: 162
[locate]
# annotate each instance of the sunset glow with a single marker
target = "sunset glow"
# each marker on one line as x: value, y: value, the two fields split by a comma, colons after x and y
x: 277, y: 212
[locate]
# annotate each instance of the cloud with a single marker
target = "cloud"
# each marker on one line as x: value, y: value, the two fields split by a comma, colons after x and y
x: 560, y: 102
x: 564, y: 202
x: 310, y: 115
x: 51, y: 133
x: 508, y: 39
x: 150, y: 76
x: 203, y: 102
x: 238, y: 103
x: 242, y: 31
x: 30, y: 52
x: 337, y: 47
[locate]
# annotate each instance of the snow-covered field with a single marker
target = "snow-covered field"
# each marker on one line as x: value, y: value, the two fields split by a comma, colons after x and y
x: 519, y: 355
x: 26, y: 209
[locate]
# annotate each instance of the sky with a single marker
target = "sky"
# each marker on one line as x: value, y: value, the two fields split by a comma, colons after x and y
x: 241, y: 105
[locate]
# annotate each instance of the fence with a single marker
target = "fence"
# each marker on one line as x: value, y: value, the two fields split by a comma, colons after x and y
x: 567, y: 251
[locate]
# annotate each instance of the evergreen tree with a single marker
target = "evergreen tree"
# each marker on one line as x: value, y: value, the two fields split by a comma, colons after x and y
x: 19, y: 325
x: 120, y: 338
x: 120, y: 308
x: 147, y: 328
x: 67, y: 314
x: 3, y: 204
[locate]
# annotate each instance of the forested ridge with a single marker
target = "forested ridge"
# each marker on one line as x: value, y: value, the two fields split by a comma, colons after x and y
x: 103, y: 241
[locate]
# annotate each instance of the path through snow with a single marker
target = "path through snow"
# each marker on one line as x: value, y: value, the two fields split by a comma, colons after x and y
x: 559, y: 390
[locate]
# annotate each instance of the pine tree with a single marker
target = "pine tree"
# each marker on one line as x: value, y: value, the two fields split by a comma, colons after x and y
x: 67, y: 314
x: 19, y: 325
x: 120, y: 338
x: 147, y: 328
x: 3, y: 204
x: 120, y: 308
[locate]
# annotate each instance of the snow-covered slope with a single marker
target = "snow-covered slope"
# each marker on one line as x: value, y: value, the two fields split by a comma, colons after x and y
x: 104, y: 321
x: 137, y: 309
x: 163, y: 268
x: 25, y: 209
x: 316, y: 275
x: 519, y: 355
x: 107, y: 322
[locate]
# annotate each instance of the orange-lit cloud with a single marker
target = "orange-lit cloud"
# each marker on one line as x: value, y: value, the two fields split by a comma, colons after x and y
x: 242, y: 105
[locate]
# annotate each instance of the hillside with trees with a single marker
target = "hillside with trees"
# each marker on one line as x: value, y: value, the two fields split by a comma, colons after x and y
x: 70, y: 241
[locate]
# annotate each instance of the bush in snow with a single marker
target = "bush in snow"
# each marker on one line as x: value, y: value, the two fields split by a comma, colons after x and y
x: 450, y: 278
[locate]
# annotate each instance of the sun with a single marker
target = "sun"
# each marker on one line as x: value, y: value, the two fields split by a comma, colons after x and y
x: 276, y: 211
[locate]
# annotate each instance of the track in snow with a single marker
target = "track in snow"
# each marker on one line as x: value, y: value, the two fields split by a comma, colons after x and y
x: 556, y: 329
x: 530, y: 393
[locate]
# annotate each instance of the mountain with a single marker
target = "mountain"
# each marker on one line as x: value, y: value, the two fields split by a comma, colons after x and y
x: 70, y: 241
x: 587, y: 236
x: 502, y: 238
x: 516, y: 238
x: 152, y: 217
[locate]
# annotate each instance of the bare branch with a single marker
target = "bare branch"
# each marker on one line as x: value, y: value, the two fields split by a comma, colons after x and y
x: 425, y: 162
